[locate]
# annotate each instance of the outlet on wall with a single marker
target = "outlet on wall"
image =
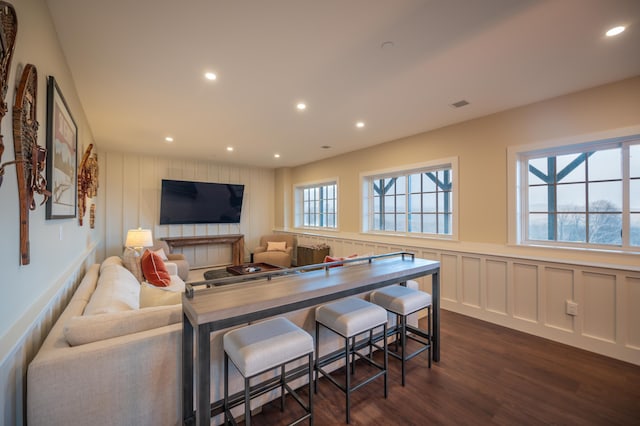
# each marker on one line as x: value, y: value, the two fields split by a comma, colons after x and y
x: 572, y: 307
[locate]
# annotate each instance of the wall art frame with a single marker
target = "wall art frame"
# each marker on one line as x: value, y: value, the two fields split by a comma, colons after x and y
x: 62, y: 161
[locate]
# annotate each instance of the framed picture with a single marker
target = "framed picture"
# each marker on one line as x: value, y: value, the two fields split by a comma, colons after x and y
x: 62, y: 146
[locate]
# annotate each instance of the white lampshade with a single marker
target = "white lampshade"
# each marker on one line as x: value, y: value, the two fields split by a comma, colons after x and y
x: 139, y: 238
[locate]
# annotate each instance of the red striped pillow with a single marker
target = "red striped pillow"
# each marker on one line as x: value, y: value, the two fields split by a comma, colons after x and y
x: 154, y: 270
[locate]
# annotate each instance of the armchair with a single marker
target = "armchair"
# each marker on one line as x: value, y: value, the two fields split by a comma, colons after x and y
x: 177, y: 258
x: 272, y: 253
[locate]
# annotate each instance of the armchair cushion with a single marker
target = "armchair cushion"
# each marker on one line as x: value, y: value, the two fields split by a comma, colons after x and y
x: 276, y: 246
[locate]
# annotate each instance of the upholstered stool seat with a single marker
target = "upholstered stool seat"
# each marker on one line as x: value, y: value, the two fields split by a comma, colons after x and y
x: 403, y: 302
x: 258, y: 348
x: 349, y: 318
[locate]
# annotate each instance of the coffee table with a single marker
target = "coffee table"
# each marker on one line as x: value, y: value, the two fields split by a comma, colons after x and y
x: 252, y: 268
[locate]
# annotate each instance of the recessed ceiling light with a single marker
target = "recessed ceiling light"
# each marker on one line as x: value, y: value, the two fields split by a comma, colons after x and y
x: 229, y: 148
x: 360, y: 124
x: 276, y: 155
x: 301, y: 106
x: 615, y: 31
x: 210, y: 76
x: 168, y: 139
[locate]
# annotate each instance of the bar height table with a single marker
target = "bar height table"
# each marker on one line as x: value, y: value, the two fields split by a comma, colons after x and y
x: 216, y: 308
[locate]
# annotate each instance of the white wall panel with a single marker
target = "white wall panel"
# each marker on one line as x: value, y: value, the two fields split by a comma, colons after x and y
x: 631, y: 299
x: 449, y: 277
x: 559, y: 287
x: 496, y: 285
x: 471, y: 281
x: 527, y: 294
x: 599, y: 302
x: 525, y: 291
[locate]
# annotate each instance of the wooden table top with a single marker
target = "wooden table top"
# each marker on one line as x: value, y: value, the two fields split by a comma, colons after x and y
x: 233, y: 303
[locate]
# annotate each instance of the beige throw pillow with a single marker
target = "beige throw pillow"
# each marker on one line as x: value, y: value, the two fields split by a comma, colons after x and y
x: 131, y: 261
x: 150, y: 295
x: 160, y: 252
x: 276, y: 246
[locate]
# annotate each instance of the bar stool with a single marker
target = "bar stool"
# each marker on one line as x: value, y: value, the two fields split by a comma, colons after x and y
x: 258, y: 348
x: 350, y: 318
x: 403, y: 302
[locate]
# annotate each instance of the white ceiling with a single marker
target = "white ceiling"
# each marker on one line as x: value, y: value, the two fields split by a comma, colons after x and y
x: 138, y: 68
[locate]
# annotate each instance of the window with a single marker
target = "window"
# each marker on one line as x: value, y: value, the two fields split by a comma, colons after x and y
x: 582, y: 195
x: 316, y: 205
x: 417, y: 201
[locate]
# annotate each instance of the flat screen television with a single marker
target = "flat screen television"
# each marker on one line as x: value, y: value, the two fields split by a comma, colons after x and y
x: 185, y: 202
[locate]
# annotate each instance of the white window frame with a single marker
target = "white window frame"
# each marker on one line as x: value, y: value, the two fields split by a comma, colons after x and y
x: 366, y: 220
x: 299, y: 203
x: 518, y: 157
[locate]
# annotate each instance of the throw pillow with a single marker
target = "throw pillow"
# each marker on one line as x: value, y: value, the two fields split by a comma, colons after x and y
x: 328, y: 259
x: 131, y: 261
x: 276, y: 246
x: 116, y: 290
x: 154, y: 270
x: 160, y: 252
x: 150, y: 295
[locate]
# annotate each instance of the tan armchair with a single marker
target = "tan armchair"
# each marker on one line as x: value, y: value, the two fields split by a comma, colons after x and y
x: 177, y: 258
x: 280, y: 256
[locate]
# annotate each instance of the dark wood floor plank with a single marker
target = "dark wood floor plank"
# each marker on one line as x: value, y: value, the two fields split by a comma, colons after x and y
x: 488, y: 375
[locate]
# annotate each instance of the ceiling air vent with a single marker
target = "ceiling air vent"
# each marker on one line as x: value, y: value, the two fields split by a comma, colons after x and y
x: 460, y: 104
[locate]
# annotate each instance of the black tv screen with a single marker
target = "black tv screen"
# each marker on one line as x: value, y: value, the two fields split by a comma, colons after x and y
x: 184, y: 202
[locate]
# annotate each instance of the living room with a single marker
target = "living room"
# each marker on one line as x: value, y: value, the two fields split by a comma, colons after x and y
x: 486, y: 273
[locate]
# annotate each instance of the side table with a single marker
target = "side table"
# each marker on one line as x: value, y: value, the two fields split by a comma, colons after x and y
x: 311, y: 255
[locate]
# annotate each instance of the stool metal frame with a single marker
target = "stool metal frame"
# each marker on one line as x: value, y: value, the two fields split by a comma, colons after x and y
x: 351, y: 350
x: 418, y: 335
x: 251, y: 392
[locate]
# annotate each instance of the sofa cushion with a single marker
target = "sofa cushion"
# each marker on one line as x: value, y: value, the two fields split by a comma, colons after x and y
x: 84, y: 329
x: 111, y: 260
x: 151, y: 295
x: 117, y: 290
x: 154, y: 270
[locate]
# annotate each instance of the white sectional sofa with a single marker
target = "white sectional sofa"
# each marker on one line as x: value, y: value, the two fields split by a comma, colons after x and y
x: 108, y: 361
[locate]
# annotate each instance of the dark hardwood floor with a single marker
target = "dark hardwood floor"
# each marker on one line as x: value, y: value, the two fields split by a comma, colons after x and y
x: 487, y: 375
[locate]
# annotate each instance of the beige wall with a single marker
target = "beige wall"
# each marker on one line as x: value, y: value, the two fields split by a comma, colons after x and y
x: 482, y: 275
x: 481, y: 146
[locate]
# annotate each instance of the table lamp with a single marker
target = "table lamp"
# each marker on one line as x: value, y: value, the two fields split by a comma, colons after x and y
x: 137, y: 239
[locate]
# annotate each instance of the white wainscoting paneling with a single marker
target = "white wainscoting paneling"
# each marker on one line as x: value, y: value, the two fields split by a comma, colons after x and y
x: 526, y: 294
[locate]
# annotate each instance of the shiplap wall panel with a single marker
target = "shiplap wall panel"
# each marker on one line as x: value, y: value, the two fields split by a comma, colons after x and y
x: 599, y: 306
x: 113, y: 187
x: 471, y: 281
x: 559, y: 287
x: 133, y: 187
x: 496, y: 285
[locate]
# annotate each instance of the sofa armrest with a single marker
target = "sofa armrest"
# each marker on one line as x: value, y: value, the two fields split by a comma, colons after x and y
x: 83, y: 384
x: 259, y: 249
x: 172, y: 268
x: 176, y: 256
